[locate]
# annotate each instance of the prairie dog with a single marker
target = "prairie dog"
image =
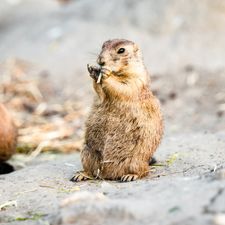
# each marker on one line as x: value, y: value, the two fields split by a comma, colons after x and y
x: 125, y: 125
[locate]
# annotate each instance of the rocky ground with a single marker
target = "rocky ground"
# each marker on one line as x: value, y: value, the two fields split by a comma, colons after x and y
x: 182, y: 46
x: 185, y: 187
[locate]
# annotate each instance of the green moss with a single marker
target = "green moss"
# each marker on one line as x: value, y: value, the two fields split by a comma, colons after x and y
x: 35, y: 216
x: 172, y: 158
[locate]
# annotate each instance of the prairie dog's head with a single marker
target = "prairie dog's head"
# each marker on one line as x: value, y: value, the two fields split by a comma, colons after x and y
x: 122, y: 59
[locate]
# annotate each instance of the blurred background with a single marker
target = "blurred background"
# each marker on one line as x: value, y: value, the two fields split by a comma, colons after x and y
x: 46, y: 45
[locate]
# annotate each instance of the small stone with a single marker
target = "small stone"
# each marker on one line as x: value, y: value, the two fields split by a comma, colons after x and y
x: 172, y: 95
x: 82, y: 196
x: 192, y: 78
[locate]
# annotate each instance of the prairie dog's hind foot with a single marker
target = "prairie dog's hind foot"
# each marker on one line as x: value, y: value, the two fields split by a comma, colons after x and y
x: 152, y: 161
x: 129, y: 177
x: 81, y: 176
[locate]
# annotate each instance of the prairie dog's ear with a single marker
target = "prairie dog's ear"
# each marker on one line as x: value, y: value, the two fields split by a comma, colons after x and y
x: 106, y: 43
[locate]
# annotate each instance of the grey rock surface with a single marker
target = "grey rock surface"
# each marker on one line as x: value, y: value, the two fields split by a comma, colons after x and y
x: 186, y: 186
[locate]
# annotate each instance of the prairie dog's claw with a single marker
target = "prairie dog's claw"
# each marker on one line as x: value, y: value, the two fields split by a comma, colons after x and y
x: 89, y: 68
x: 80, y: 176
x: 129, y: 177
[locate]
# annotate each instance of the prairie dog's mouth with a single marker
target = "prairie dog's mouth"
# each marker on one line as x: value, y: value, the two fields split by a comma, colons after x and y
x: 104, y: 71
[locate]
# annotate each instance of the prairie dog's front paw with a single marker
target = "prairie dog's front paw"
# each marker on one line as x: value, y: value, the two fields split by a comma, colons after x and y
x: 94, y: 72
x: 98, y: 73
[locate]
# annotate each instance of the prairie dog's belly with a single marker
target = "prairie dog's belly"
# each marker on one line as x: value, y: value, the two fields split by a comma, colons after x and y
x: 117, y: 123
x: 96, y: 129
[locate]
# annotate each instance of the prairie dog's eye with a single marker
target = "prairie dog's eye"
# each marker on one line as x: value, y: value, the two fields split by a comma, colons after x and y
x: 121, y: 50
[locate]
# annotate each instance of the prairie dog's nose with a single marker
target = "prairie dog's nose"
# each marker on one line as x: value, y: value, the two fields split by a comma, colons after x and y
x: 101, y: 61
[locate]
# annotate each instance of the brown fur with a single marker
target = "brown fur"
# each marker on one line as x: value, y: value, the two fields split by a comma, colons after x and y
x: 8, y: 135
x: 125, y: 125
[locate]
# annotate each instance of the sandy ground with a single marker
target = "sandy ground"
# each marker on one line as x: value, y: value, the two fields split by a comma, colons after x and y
x: 181, y: 43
